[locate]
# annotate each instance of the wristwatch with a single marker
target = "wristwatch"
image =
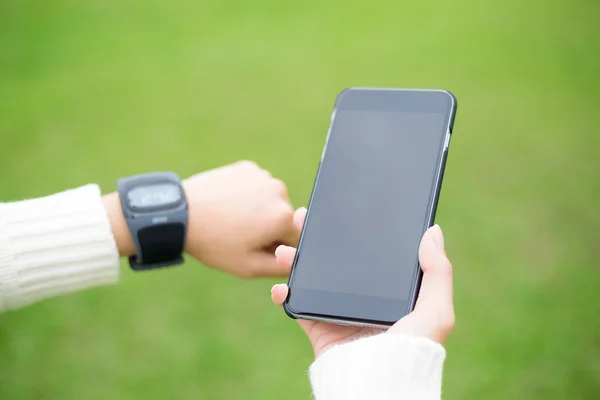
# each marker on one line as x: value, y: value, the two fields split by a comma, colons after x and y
x: 155, y: 208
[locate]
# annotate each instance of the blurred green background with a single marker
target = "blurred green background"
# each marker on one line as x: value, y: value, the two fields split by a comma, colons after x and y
x: 92, y: 91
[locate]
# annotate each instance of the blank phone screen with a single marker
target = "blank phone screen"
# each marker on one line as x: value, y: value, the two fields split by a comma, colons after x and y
x: 370, y: 206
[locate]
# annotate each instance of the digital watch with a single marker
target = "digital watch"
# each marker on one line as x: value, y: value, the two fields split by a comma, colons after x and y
x: 155, y: 208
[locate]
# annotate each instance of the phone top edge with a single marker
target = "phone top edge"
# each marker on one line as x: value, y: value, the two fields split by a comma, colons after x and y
x: 451, y: 98
x: 396, y: 89
x: 338, y: 98
x: 384, y: 89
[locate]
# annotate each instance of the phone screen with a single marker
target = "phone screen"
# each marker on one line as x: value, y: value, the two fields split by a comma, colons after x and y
x: 371, y: 203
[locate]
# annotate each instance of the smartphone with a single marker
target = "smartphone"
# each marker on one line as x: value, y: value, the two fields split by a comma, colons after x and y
x: 374, y: 196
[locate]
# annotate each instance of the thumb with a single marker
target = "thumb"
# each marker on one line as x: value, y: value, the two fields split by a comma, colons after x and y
x: 435, y: 296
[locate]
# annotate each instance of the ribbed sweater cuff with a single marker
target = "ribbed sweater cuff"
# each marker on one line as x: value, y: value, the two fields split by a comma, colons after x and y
x: 54, y: 245
x: 382, y: 367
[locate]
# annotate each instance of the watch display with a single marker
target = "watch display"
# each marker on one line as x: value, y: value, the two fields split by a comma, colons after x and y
x: 158, y: 195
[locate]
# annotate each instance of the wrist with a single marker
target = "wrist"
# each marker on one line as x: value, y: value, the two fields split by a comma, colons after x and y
x: 196, y: 212
x: 118, y: 225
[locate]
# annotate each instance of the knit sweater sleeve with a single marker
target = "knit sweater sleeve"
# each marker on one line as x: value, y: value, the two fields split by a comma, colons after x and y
x: 382, y: 367
x: 55, y: 245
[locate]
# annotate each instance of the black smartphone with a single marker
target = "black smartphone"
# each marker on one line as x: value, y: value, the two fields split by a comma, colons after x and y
x: 374, y: 196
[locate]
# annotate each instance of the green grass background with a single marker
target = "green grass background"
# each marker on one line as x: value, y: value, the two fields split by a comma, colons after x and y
x: 94, y: 90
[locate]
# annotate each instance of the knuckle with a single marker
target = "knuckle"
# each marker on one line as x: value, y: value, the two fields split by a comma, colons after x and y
x: 266, y: 174
x: 448, y: 269
x: 447, y: 263
x: 280, y: 186
x: 247, y: 164
x: 445, y: 267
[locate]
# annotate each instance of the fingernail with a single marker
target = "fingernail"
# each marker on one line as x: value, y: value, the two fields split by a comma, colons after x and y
x: 438, y: 237
x: 275, y: 286
x: 278, y: 250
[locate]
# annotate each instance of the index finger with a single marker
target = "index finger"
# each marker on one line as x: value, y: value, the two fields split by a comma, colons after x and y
x: 292, y: 228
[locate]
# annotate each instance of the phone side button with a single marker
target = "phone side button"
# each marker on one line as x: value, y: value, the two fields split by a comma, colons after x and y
x: 447, y: 140
x: 443, y: 166
x: 440, y: 181
x: 326, y: 143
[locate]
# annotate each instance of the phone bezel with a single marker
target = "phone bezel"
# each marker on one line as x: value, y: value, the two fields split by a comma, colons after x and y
x: 451, y: 112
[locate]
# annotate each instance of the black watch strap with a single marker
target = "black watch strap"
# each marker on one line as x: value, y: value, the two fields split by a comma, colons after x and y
x: 159, y: 246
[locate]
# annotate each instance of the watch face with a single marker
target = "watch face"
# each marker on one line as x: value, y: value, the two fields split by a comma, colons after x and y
x: 153, y: 196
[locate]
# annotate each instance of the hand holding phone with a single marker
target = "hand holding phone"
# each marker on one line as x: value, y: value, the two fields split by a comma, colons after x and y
x: 432, y: 318
x: 374, y: 196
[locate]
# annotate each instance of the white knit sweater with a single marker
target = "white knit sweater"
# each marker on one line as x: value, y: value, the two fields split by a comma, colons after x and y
x: 63, y: 243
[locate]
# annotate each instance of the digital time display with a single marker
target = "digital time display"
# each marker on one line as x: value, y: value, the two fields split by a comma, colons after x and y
x: 158, y: 195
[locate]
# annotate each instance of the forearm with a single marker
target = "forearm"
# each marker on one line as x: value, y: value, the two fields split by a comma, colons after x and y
x: 381, y: 367
x: 57, y: 244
